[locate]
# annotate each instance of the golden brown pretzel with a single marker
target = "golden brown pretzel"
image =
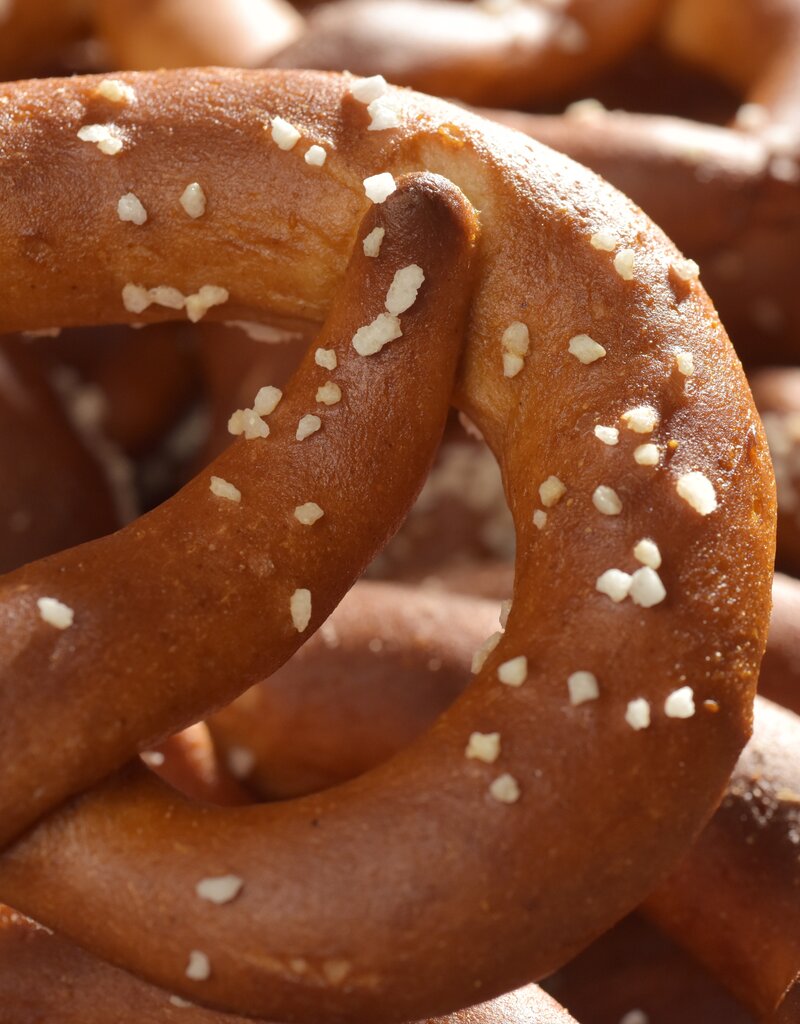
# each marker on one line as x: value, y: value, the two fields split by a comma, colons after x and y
x: 733, y: 902
x: 729, y: 197
x: 711, y: 489
x: 41, y: 973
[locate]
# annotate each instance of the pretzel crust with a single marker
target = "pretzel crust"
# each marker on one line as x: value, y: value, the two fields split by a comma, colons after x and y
x: 588, y: 829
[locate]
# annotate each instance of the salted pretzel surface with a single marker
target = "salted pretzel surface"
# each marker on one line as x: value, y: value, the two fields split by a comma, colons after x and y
x: 603, y: 381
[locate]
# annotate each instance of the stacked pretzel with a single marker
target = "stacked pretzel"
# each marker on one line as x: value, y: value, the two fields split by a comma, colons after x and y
x: 421, y: 257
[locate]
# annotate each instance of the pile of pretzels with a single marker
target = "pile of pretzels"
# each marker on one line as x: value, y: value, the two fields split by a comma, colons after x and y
x: 401, y: 435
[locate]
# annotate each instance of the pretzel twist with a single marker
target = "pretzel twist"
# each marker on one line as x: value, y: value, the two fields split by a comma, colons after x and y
x: 729, y: 196
x: 208, y: 586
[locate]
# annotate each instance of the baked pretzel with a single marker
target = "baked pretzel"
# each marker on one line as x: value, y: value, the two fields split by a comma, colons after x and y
x: 777, y: 393
x: 690, y: 462
x: 55, y: 493
x: 491, y: 51
x: 181, y: 33
x: 733, y: 901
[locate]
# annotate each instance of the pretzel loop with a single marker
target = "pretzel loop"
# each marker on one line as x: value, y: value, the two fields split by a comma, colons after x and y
x: 604, y: 383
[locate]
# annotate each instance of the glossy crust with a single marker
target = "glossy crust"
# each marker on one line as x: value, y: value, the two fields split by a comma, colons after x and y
x: 734, y: 901
x: 716, y: 193
x: 777, y: 395
x: 399, y: 848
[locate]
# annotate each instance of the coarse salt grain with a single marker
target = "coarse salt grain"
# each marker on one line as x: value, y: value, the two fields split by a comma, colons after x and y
x: 368, y: 89
x: 221, y: 889
x: 605, y: 241
x: 483, y: 652
x: 199, y: 967
x: 129, y: 208
x: 329, y: 394
x: 315, y: 156
x: 505, y: 789
x: 284, y: 134
x: 515, y: 344
x: 539, y: 519
x: 646, y: 551
x: 685, y: 363
x: 643, y: 419
x: 193, y: 200
x: 646, y: 587
x: 646, y: 455
x: 582, y: 687
x: 267, y: 400
x: 483, y: 746
x: 505, y: 611
x: 223, y: 489
x: 309, y: 513
x: 637, y: 714
x: 55, y: 613
x: 513, y: 672
x: 697, y: 490
x: 300, y: 607
x: 116, y: 91
x: 624, y: 263
x: 516, y: 338
x: 135, y: 298
x: 248, y: 423
x: 307, y: 426
x: 403, y: 290
x: 512, y: 365
x: 326, y: 358
x: 551, y: 491
x: 680, y: 703
x: 686, y: 270
x: 383, y: 114
x: 608, y: 435
x: 209, y: 295
x: 107, y: 137
x: 372, y: 242
x: 183, y: 1004
x: 585, y: 349
x: 379, y: 187
x: 606, y: 500
x: 614, y: 583
x: 371, y: 338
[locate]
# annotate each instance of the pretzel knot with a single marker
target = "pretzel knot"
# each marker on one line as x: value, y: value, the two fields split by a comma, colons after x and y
x: 601, y: 726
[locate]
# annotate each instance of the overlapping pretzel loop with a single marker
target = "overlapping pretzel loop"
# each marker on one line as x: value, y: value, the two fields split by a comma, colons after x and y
x: 602, y: 725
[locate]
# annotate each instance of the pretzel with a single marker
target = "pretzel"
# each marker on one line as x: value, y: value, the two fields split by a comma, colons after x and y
x: 733, y: 901
x: 41, y: 973
x: 181, y: 33
x: 268, y: 953
x: 777, y: 393
x: 54, y: 492
x: 485, y: 52
x: 728, y: 196
x: 386, y: 664
x: 634, y: 974
x: 740, y: 880
x: 779, y: 679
